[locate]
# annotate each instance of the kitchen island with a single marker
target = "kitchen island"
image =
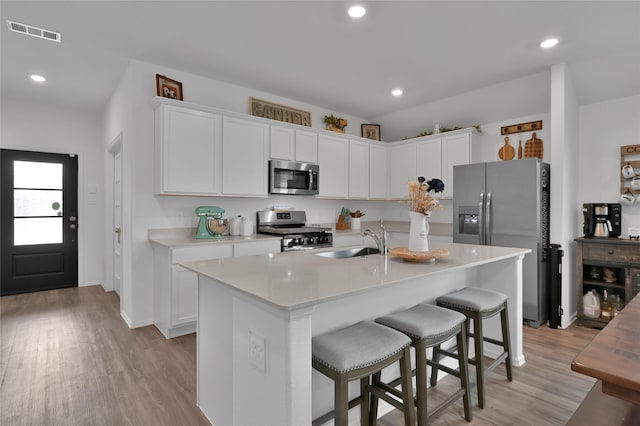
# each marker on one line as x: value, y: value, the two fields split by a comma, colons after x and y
x: 258, y: 314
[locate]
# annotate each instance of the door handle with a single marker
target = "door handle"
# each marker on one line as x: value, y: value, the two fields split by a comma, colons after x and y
x: 489, y: 224
x: 118, y: 231
x: 481, y: 219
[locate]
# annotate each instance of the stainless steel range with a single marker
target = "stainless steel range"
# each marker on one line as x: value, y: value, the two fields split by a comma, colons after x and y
x: 291, y: 225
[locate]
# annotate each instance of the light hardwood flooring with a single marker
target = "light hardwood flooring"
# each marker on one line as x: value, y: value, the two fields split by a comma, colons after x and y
x: 68, y: 358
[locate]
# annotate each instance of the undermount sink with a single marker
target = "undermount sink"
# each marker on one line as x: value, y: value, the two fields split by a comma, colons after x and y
x: 349, y: 252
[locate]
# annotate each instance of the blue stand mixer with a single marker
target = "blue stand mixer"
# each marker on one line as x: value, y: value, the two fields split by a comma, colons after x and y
x: 211, y: 224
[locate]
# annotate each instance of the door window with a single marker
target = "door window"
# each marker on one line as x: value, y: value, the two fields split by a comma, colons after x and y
x: 37, y: 200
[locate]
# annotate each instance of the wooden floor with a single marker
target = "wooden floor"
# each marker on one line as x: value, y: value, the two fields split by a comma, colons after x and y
x: 67, y: 357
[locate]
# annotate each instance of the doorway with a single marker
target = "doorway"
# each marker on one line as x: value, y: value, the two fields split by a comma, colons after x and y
x: 38, y: 221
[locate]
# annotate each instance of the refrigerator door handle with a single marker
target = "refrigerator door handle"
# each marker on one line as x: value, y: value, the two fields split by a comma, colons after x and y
x: 489, y: 224
x: 481, y: 220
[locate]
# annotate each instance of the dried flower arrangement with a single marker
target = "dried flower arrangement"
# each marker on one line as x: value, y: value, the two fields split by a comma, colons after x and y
x: 422, y: 195
x: 337, y: 122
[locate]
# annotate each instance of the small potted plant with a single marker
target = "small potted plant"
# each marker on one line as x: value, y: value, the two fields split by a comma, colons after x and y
x: 335, y: 124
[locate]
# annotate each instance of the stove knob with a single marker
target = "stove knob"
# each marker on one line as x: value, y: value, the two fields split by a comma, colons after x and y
x: 312, y: 240
x: 292, y: 243
x: 322, y: 240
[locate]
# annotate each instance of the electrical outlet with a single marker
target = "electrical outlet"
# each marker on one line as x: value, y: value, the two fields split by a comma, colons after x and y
x: 257, y: 351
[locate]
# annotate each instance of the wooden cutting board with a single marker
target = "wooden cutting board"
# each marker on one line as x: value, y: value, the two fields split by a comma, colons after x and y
x: 533, y: 147
x: 418, y: 256
x: 507, y: 152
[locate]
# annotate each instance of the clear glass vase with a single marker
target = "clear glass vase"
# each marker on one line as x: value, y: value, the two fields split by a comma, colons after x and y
x: 418, y: 232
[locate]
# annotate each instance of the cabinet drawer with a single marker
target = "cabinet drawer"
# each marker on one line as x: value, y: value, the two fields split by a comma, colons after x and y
x: 612, y: 253
x: 201, y: 252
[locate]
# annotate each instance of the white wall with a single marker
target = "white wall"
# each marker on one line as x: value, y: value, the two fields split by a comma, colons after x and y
x: 565, y: 213
x: 604, y: 128
x: 33, y: 126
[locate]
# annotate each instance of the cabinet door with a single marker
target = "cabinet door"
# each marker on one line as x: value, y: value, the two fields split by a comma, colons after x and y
x: 306, y: 147
x: 244, y: 157
x: 358, y: 169
x: 188, y: 143
x: 402, y: 163
x: 283, y: 143
x: 429, y: 159
x: 184, y: 296
x: 456, y: 150
x: 333, y: 157
x: 378, y: 176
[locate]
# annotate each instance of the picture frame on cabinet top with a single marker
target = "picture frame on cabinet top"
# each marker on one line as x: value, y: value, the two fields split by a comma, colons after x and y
x: 168, y: 88
x: 371, y: 131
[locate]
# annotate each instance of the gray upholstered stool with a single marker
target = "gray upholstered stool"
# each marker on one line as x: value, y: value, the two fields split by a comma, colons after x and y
x: 478, y: 304
x: 429, y: 326
x: 356, y: 352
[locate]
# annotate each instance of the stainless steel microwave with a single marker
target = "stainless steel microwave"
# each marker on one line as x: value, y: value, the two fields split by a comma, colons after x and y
x: 292, y: 177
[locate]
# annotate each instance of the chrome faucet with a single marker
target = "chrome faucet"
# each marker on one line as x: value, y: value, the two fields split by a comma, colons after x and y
x: 379, y: 237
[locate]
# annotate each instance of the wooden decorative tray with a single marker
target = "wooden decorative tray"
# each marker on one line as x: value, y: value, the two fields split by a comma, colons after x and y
x: 419, y: 256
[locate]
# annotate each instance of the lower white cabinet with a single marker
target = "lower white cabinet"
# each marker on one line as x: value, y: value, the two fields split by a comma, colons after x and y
x: 175, y: 289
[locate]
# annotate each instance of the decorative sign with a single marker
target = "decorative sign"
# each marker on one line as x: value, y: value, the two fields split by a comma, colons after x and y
x: 522, y: 127
x: 265, y: 109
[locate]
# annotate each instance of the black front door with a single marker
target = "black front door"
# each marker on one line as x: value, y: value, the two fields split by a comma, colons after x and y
x: 39, y: 220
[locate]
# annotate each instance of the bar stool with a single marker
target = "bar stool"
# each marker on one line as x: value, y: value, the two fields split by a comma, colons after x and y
x: 357, y: 352
x: 429, y: 326
x: 478, y: 304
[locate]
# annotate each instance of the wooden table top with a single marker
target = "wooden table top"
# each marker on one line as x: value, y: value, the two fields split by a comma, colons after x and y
x: 614, y: 355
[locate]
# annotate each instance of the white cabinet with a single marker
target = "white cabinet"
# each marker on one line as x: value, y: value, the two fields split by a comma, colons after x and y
x: 429, y: 159
x: 402, y: 164
x: 378, y: 168
x: 429, y: 156
x: 283, y: 143
x: 306, y: 146
x: 244, y: 157
x: 333, y: 159
x: 456, y: 150
x: 175, y: 289
x: 290, y: 144
x: 187, y: 151
x: 358, y: 169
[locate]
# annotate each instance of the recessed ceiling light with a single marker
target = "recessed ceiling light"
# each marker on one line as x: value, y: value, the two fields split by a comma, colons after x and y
x: 550, y: 42
x: 38, y: 78
x: 357, y: 11
x: 396, y: 92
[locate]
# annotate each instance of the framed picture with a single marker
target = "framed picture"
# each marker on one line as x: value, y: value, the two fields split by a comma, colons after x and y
x: 371, y: 131
x: 168, y: 88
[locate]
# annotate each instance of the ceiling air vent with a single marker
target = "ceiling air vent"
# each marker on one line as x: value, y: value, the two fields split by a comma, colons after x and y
x: 33, y: 31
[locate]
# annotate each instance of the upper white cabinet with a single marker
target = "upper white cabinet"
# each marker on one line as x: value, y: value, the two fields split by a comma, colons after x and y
x: 402, y: 164
x: 187, y: 151
x: 456, y: 150
x: 378, y: 168
x: 294, y: 145
x: 358, y: 169
x: 306, y: 146
x: 333, y: 159
x: 283, y: 143
x: 429, y: 158
x: 244, y: 157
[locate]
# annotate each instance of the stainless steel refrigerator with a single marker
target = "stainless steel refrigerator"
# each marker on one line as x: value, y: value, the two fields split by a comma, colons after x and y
x: 506, y: 203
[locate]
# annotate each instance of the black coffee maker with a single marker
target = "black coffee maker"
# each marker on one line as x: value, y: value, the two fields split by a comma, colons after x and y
x: 602, y: 220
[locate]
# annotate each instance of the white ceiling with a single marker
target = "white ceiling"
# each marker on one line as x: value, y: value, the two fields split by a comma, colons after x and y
x: 311, y: 51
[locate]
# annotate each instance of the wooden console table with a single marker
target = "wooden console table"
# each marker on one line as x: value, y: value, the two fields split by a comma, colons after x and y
x: 614, y: 355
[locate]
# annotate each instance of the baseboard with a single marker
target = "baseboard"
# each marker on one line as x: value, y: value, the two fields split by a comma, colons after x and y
x: 132, y: 324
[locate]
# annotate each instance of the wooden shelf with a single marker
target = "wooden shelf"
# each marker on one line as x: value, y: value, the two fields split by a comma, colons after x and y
x: 629, y: 154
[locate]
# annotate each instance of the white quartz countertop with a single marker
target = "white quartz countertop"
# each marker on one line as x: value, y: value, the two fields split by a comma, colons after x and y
x: 178, y: 237
x: 293, y: 280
